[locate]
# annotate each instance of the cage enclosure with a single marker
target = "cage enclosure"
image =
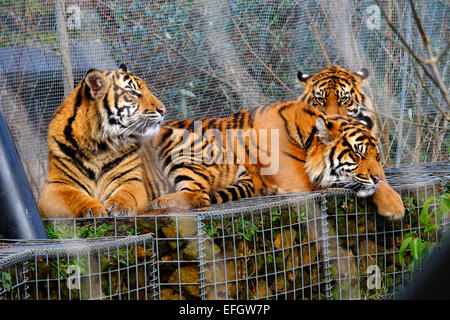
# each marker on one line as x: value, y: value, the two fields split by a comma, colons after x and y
x: 212, y: 58
x: 324, y: 245
x: 116, y: 268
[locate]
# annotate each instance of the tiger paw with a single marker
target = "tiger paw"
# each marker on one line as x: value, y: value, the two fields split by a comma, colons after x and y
x: 117, y: 209
x: 179, y: 200
x: 168, y: 202
x: 93, y: 210
x: 388, y: 202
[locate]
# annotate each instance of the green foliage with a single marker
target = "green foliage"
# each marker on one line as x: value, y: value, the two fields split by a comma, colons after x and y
x: 5, y: 281
x: 246, y: 229
x: 275, y: 215
x: 64, y: 231
x: 417, y: 243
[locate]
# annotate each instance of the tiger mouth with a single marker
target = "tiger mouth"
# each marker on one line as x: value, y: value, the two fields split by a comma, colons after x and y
x: 361, y: 188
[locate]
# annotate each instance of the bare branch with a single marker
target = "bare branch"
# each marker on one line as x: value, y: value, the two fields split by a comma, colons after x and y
x: 432, y: 60
x: 259, y: 59
x: 424, y: 86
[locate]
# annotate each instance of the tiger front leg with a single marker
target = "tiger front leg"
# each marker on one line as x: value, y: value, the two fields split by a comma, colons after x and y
x: 182, y: 200
x: 388, y: 202
x: 192, y: 190
x: 130, y: 198
x: 59, y: 200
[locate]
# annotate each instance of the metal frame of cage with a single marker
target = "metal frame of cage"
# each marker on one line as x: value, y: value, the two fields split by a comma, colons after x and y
x: 301, y: 246
x: 116, y: 268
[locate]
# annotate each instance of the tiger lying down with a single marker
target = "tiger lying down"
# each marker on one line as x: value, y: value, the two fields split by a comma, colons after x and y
x: 285, y: 147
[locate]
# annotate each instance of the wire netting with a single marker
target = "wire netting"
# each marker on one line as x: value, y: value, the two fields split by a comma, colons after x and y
x: 212, y: 58
x: 319, y: 245
x: 106, y: 269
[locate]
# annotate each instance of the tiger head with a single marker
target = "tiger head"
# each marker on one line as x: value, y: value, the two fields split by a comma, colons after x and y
x: 337, y: 91
x: 344, y: 154
x: 126, y: 107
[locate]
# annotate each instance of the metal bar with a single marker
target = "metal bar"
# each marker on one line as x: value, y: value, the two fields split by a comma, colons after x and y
x: 20, y: 216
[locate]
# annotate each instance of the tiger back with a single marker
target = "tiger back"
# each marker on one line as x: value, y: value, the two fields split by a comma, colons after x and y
x: 336, y: 90
x: 311, y: 151
x: 93, y: 142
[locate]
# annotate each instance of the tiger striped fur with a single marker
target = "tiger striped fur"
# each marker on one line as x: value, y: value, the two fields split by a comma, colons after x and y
x: 192, y: 179
x: 93, y: 142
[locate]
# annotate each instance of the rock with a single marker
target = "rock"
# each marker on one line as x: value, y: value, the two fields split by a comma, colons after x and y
x: 351, y: 225
x: 367, y: 253
x: 190, y: 252
x: 283, y: 239
x: 345, y: 264
x: 278, y: 286
x: 224, y: 276
x: 187, y: 274
x: 263, y: 290
x: 170, y: 231
x: 367, y: 246
x: 170, y: 294
x: 187, y: 227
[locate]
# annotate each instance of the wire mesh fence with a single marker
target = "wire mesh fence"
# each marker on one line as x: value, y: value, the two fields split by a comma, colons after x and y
x: 107, y: 269
x: 321, y: 245
x: 212, y: 58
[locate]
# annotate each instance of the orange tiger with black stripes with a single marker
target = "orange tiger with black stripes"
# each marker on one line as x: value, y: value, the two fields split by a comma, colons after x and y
x: 285, y: 147
x: 94, y: 139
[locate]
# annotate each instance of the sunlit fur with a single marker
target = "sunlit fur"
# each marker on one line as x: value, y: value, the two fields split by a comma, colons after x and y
x: 93, y: 141
x: 315, y: 151
x: 336, y: 90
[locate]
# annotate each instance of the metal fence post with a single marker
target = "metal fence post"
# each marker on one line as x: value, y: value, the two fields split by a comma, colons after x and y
x: 201, y: 257
x: 325, y: 245
x: 19, y: 215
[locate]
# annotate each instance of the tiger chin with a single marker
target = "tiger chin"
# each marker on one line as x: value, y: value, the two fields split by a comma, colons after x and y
x: 94, y: 139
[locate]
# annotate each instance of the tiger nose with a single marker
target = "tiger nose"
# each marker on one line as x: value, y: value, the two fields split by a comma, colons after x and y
x: 376, y: 178
x: 161, y: 110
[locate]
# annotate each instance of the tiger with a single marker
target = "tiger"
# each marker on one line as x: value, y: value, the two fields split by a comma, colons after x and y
x: 336, y: 90
x: 94, y: 137
x: 311, y: 151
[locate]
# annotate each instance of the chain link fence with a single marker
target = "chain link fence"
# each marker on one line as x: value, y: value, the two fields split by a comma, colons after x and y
x: 212, y: 58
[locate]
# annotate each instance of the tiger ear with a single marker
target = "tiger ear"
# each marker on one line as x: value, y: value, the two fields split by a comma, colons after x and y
x: 123, y: 67
x: 362, y: 74
x: 302, y: 77
x: 97, y: 84
x: 324, y: 130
